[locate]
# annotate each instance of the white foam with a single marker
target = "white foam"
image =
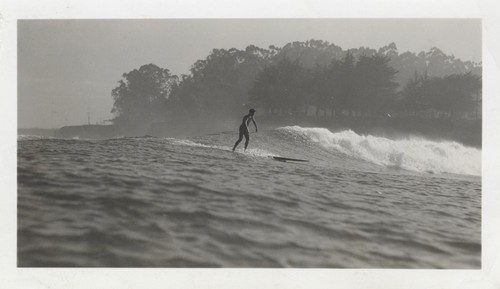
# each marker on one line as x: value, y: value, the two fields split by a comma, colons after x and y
x: 415, y: 154
x: 31, y: 137
x: 186, y: 142
x: 256, y: 152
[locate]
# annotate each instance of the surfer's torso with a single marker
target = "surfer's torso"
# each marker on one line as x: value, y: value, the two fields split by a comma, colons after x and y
x: 246, y: 121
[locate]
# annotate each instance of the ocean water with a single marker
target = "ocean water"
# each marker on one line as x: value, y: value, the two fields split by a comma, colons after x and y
x: 361, y: 201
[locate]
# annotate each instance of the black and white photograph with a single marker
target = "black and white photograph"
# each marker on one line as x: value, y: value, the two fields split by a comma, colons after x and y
x: 319, y: 143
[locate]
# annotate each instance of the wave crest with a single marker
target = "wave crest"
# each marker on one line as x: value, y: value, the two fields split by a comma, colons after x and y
x: 416, y: 154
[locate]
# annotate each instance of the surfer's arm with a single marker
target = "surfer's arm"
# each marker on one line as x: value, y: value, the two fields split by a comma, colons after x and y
x: 255, y: 124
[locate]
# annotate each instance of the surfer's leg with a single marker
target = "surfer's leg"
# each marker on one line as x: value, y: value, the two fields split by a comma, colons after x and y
x: 247, y: 139
x: 239, y: 140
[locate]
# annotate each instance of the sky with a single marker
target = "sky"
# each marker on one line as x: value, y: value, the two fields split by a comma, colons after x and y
x: 67, y: 68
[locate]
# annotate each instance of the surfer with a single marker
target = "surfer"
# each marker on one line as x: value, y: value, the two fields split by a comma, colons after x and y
x: 244, y: 128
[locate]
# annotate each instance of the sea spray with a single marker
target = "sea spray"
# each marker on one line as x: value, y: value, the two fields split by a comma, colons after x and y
x: 416, y: 154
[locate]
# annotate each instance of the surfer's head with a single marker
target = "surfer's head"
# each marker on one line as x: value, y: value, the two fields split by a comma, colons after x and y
x: 251, y: 111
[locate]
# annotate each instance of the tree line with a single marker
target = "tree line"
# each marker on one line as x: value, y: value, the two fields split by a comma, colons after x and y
x: 363, y: 86
x: 452, y: 96
x: 298, y: 79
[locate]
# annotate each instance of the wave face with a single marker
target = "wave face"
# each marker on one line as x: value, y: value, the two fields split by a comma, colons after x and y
x: 415, y: 154
x: 166, y: 202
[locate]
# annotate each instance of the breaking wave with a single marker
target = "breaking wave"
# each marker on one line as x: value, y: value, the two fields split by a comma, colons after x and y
x: 412, y: 153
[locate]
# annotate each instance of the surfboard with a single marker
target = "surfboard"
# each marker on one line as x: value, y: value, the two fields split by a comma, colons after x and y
x: 281, y: 159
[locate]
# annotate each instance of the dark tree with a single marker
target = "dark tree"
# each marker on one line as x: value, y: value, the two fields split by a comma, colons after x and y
x: 281, y: 88
x: 415, y: 97
x: 265, y: 93
x: 455, y: 94
x: 347, y: 82
x: 325, y: 87
x: 458, y: 93
x: 375, y: 87
x: 140, y: 97
x: 218, y: 85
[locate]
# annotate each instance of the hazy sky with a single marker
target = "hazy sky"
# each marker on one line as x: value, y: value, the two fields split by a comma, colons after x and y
x: 67, y: 68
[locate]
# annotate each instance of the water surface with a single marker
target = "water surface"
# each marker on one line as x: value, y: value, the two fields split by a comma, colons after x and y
x: 360, y: 202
